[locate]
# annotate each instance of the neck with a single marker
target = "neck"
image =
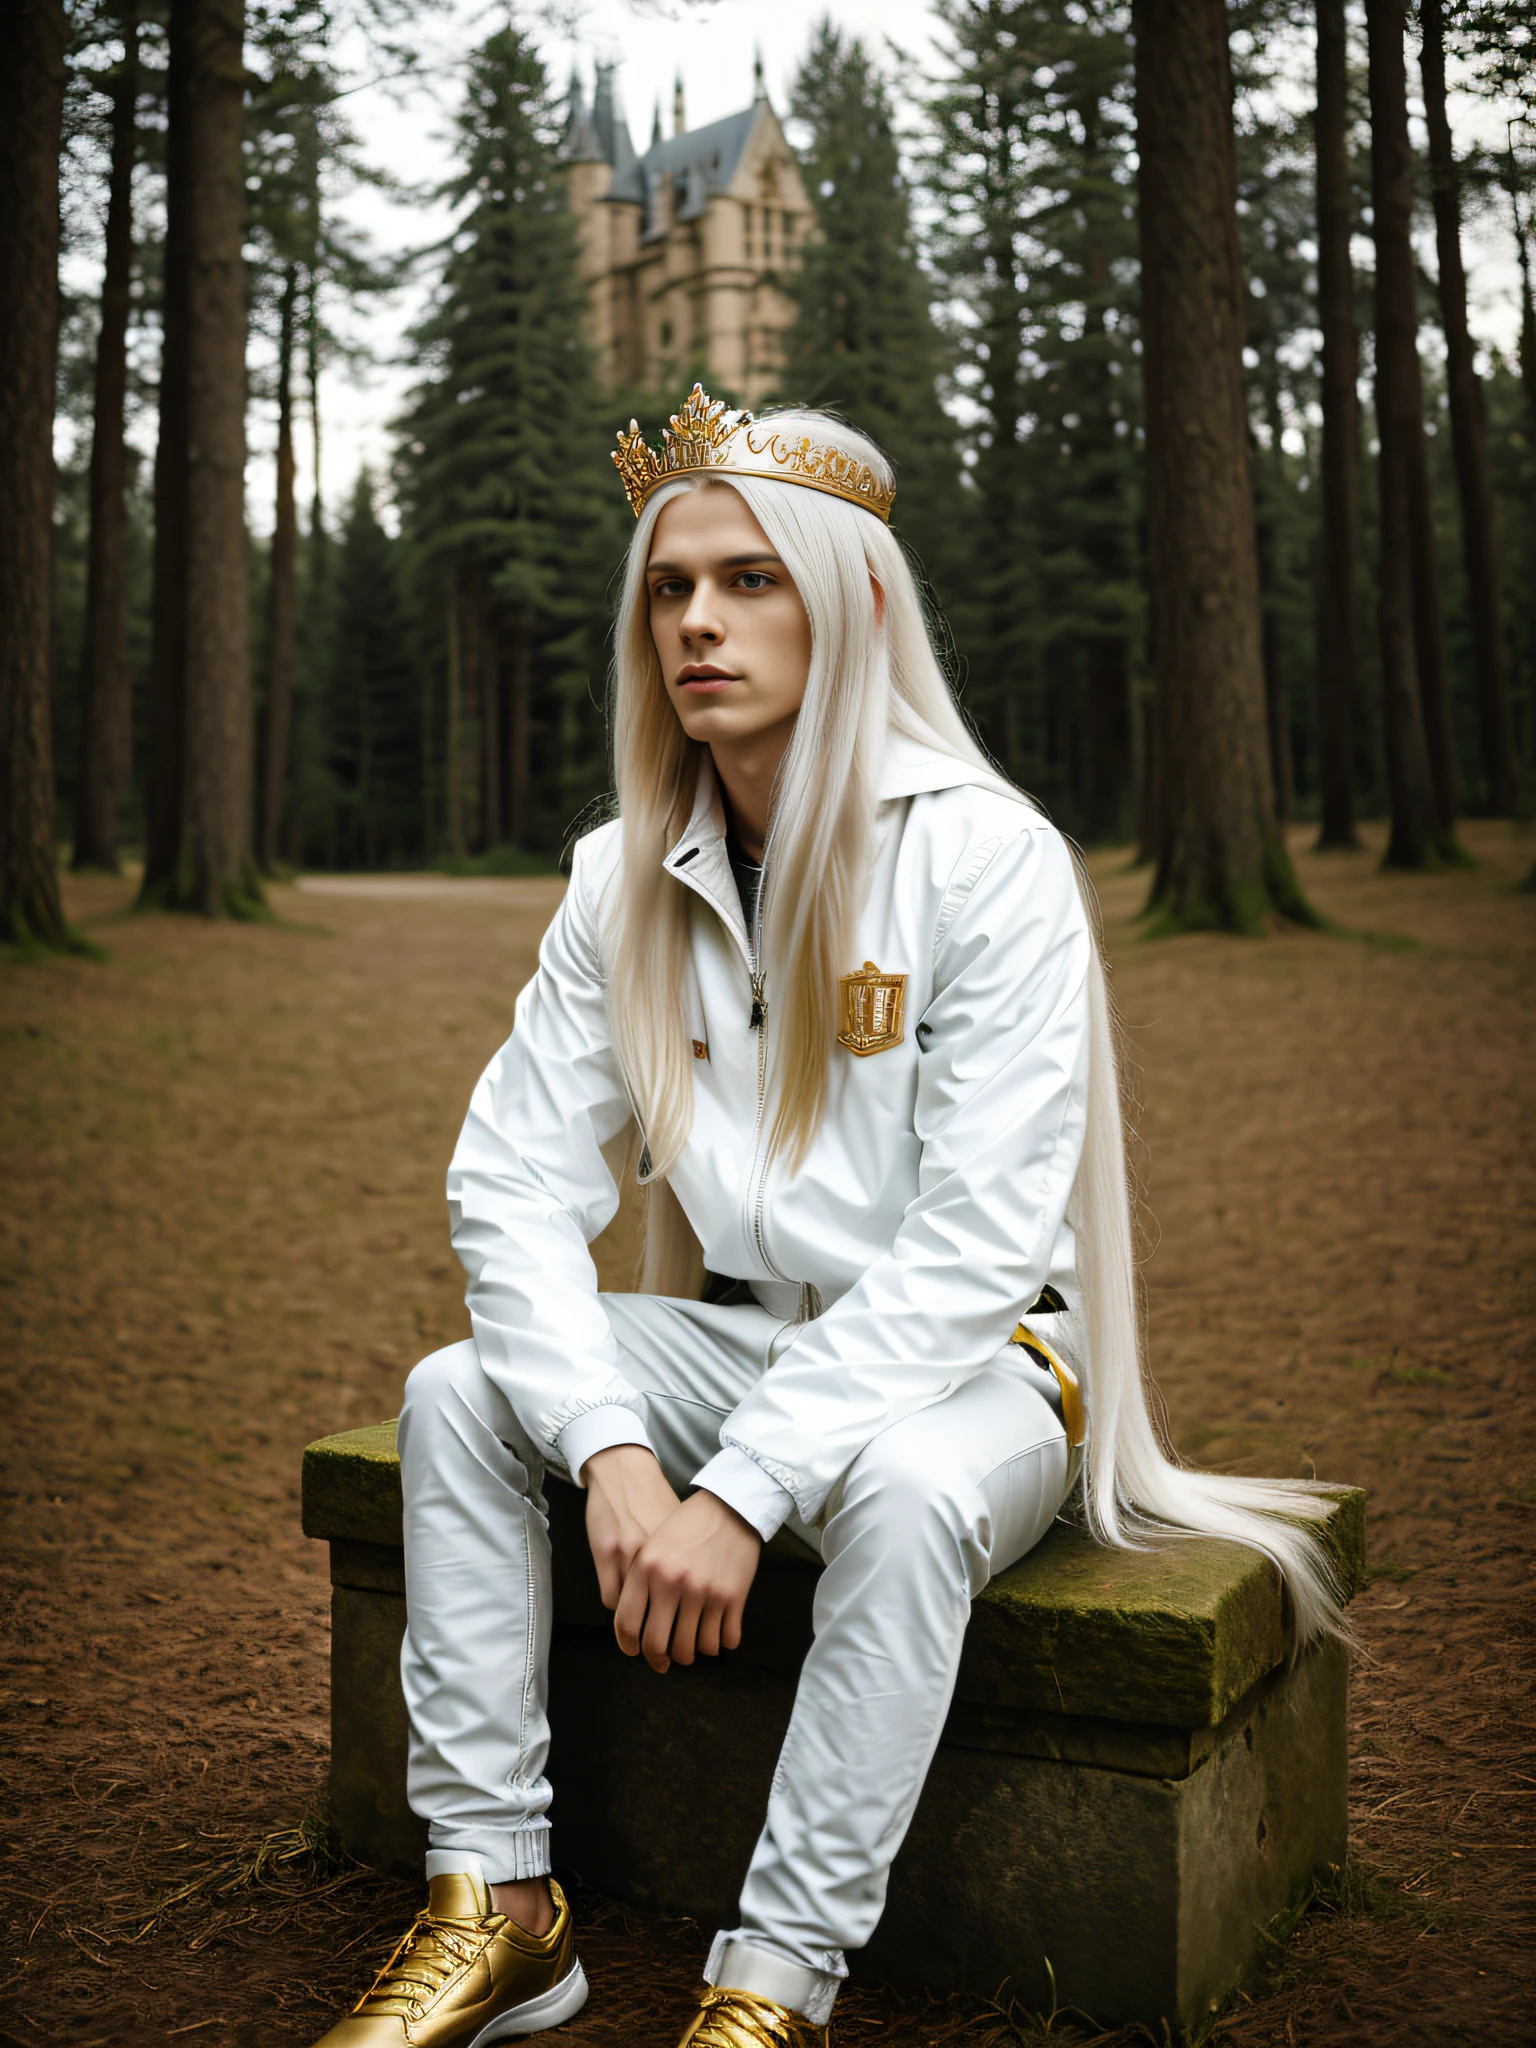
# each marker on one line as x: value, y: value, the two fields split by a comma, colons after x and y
x: 747, y: 770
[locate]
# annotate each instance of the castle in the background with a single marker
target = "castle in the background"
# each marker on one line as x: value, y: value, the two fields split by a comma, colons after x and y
x: 684, y: 249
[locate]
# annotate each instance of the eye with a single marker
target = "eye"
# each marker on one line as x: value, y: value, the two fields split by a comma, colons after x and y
x: 754, y: 579
x: 669, y: 586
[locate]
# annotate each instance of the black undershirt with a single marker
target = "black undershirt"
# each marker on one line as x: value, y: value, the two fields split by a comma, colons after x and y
x: 749, y: 883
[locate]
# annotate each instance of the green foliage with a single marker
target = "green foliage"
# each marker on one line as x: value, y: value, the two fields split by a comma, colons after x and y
x: 370, y: 725
x: 1032, y: 168
x: 864, y: 342
x: 504, y: 478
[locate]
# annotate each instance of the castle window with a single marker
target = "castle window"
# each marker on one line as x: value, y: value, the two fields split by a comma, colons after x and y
x: 666, y: 333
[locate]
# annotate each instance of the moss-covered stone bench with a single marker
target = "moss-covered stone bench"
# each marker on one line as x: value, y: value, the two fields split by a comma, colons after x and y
x: 1134, y: 1781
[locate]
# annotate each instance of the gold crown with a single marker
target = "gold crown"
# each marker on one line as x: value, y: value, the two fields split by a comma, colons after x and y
x: 704, y: 436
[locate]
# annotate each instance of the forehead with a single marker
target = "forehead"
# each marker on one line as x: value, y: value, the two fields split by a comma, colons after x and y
x: 708, y: 523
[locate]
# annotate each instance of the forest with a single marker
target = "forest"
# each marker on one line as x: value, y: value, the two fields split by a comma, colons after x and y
x: 1227, y: 518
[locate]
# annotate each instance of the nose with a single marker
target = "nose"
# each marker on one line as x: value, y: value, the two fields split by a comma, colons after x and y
x: 700, y: 625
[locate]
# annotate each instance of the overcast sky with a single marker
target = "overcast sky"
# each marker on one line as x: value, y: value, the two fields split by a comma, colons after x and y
x: 711, y: 45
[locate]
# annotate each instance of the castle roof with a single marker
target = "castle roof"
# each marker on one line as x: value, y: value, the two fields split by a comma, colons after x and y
x: 700, y: 164
x: 703, y: 162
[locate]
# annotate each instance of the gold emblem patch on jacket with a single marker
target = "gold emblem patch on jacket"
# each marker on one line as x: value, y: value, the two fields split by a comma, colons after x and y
x: 872, y: 1010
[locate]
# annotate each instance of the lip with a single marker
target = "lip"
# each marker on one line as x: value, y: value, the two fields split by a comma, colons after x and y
x: 702, y: 676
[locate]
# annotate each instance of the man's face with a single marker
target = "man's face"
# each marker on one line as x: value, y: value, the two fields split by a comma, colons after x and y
x: 730, y: 629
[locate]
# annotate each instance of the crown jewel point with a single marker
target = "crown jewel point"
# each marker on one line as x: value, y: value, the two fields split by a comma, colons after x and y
x: 705, y: 435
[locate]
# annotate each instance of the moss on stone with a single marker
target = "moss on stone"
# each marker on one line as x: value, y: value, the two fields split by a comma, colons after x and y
x: 1171, y: 1636
x: 351, y: 1486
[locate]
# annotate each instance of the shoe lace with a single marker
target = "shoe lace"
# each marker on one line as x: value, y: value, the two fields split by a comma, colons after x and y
x: 739, y: 2019
x: 428, y: 1955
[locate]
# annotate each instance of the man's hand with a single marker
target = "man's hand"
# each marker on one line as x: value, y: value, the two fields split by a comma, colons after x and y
x: 685, y: 1591
x: 627, y: 1499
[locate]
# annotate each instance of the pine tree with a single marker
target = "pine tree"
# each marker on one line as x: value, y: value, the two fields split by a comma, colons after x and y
x: 864, y: 341
x: 1339, y: 464
x: 1082, y: 397
x: 1221, y: 859
x: 199, y: 852
x: 1479, y: 516
x: 1032, y: 169
x: 31, y: 120
x: 505, y: 479
x: 107, y: 683
x: 1419, y: 767
x: 980, y: 179
x: 373, y: 700
x: 299, y: 152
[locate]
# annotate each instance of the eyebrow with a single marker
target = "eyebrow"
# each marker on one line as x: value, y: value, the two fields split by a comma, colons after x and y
x: 730, y: 562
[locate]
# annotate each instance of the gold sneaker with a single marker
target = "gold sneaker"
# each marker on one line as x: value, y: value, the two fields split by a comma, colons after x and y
x: 465, y: 1976
x: 740, y: 2019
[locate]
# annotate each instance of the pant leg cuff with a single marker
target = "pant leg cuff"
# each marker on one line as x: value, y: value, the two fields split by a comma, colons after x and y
x: 499, y: 1857
x: 743, y: 1962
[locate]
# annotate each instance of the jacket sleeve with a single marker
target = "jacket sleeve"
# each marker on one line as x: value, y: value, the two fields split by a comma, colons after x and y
x: 1000, y: 1112
x: 528, y: 1189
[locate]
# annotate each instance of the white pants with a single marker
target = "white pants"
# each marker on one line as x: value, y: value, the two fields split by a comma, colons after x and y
x: 930, y: 1510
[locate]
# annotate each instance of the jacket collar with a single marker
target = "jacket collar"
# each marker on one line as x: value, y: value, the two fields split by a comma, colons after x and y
x: 912, y: 767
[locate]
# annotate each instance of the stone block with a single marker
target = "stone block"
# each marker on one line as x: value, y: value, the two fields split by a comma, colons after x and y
x: 1134, y: 1779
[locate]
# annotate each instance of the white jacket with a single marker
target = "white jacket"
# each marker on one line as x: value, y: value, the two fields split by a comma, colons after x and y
x: 926, y: 1217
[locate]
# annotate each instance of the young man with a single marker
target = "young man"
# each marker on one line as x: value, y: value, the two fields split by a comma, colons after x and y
x: 841, y: 977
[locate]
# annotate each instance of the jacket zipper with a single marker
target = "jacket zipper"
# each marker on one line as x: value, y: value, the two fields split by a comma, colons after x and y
x: 758, y: 1022
x: 757, y: 1182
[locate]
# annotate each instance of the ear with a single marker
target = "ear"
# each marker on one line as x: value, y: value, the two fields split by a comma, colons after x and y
x: 877, y: 588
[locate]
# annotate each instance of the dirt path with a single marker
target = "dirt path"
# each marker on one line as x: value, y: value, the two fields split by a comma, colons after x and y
x: 223, y: 1234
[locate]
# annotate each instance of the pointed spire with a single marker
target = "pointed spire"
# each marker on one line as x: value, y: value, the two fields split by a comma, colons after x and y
x: 611, y: 126
x: 759, y: 87
x: 657, y: 131
x: 579, y: 144
x: 679, y: 109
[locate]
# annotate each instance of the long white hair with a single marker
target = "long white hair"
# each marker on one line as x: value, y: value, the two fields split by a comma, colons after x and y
x: 868, y: 676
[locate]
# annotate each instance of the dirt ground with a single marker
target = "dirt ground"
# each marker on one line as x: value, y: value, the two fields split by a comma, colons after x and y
x: 223, y: 1235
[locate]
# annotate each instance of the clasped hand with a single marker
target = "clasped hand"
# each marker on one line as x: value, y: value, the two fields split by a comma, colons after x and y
x: 676, y: 1574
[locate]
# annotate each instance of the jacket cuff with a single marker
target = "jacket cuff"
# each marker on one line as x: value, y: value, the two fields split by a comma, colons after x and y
x: 599, y: 1429
x: 742, y: 1484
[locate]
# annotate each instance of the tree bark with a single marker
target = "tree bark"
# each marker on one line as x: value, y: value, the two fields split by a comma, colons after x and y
x: 1341, y: 438
x: 1527, y: 296
x: 282, y: 592
x: 31, y: 119
x: 1220, y: 859
x: 168, y: 596
x: 1397, y: 307
x: 1418, y: 833
x: 215, y: 872
x: 1469, y: 437
x: 107, y: 714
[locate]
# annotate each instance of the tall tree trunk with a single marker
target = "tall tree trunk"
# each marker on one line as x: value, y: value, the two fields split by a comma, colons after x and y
x: 107, y: 721
x: 1397, y: 306
x: 1221, y: 860
x: 1108, y: 768
x: 1277, y: 703
x: 168, y: 597
x: 1418, y: 832
x: 282, y: 591
x: 31, y: 119
x: 1527, y: 295
x: 1469, y: 437
x: 1341, y: 438
x: 215, y: 872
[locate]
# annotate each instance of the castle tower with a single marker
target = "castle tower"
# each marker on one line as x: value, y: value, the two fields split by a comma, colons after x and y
x: 684, y: 249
